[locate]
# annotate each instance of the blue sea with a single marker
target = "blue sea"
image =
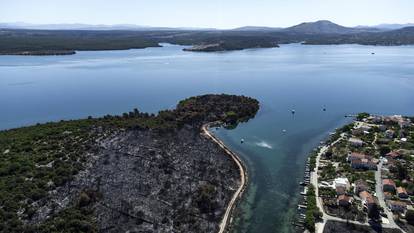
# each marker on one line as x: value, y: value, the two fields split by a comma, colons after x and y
x: 342, y: 79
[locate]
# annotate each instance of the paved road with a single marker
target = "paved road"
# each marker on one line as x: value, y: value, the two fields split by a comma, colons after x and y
x: 380, y: 196
x: 314, y: 181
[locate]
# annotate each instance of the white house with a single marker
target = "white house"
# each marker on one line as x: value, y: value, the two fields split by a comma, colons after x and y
x: 342, y: 182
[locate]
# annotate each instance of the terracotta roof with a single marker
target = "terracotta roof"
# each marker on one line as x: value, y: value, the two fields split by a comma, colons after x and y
x: 364, y: 195
x: 388, y: 182
x: 344, y: 198
x: 358, y: 155
x: 393, y: 154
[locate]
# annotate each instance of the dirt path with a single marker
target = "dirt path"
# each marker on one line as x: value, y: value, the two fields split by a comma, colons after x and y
x: 227, y: 218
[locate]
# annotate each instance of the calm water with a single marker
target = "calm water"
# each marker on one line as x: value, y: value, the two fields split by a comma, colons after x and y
x: 343, y: 79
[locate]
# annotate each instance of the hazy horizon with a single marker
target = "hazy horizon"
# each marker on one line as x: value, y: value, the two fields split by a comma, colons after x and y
x: 215, y: 14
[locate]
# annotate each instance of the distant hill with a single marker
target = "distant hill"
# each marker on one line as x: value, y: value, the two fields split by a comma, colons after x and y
x: 256, y: 28
x: 320, y: 27
x: 393, y: 26
x: 96, y: 27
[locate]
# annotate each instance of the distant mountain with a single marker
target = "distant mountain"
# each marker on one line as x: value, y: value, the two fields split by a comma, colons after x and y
x: 77, y: 26
x: 320, y: 27
x: 256, y: 28
x: 393, y: 26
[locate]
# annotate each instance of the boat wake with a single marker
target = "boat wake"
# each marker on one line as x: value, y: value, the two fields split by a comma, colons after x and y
x: 264, y: 145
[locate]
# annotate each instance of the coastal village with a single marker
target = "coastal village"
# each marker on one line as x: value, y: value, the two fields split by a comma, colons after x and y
x: 362, y: 175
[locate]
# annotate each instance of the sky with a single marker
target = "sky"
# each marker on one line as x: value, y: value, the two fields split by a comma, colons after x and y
x: 207, y: 13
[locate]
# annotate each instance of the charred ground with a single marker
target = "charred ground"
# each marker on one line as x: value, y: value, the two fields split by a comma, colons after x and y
x: 136, y: 172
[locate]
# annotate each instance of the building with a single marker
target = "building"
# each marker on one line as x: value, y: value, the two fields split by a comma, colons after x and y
x: 365, y: 127
x: 367, y: 199
x: 340, y: 190
x: 360, y: 185
x: 393, y: 154
x: 355, y: 155
x: 356, y: 142
x: 344, y: 200
x: 342, y: 182
x: 388, y: 185
x: 397, y: 206
x: 363, y: 164
x: 402, y: 193
x: 361, y: 161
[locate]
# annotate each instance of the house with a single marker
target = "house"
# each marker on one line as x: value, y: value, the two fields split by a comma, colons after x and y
x: 344, y: 200
x: 361, y: 161
x: 365, y: 127
x: 389, y: 134
x: 402, y: 193
x: 356, y: 142
x: 388, y: 185
x: 397, y: 206
x: 340, y: 190
x: 360, y: 185
x: 357, y: 132
x: 364, y: 164
x: 342, y: 182
x: 355, y: 155
x: 393, y: 154
x: 403, y: 122
x: 367, y: 199
x: 377, y: 119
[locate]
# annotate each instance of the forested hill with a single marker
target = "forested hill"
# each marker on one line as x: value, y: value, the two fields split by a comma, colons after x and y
x: 55, y: 42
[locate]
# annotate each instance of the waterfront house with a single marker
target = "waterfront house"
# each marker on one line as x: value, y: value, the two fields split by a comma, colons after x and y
x: 356, y: 142
x: 342, y: 182
x: 402, y: 193
x: 360, y: 185
x: 388, y: 185
x: 397, y: 206
x: 344, y: 200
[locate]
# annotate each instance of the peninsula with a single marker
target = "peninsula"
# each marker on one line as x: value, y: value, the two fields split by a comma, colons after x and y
x: 134, y: 172
x: 362, y: 179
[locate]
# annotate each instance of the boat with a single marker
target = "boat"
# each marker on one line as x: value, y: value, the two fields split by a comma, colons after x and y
x: 293, y: 111
x: 242, y: 140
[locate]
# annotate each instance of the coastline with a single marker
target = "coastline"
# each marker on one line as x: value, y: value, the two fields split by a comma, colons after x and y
x: 228, y: 215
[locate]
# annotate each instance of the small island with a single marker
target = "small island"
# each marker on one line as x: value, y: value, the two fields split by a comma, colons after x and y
x: 362, y: 178
x: 133, y: 172
x: 232, y: 45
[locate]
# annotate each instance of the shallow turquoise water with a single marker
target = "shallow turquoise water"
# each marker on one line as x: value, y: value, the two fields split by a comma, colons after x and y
x: 343, y: 79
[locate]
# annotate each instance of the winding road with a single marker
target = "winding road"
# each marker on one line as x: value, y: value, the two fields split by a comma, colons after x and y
x: 227, y: 218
